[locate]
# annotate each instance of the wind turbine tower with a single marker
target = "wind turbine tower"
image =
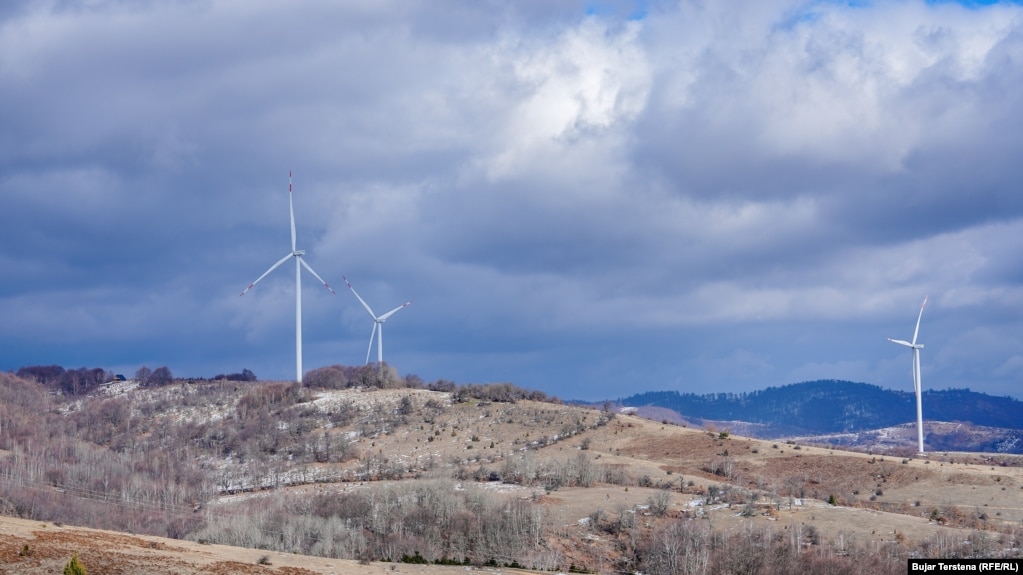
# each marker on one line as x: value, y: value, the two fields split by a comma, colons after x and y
x: 299, y: 264
x: 378, y: 324
x: 916, y: 347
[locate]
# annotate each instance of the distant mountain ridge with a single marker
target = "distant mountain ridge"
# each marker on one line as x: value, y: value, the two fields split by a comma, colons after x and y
x: 834, y: 406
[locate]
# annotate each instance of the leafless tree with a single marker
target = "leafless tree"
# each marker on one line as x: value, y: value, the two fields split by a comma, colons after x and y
x: 681, y: 548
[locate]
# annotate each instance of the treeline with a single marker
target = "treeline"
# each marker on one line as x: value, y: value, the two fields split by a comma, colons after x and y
x: 82, y: 381
x: 68, y: 381
x: 499, y: 392
x: 386, y: 377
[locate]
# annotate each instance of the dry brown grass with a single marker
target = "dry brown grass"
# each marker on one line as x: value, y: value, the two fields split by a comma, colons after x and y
x: 110, y: 553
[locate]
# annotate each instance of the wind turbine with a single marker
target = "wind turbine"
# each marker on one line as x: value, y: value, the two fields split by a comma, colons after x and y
x: 916, y: 347
x: 378, y: 324
x: 299, y: 264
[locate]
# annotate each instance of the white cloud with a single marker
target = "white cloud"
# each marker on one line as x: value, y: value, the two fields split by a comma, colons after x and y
x: 588, y: 80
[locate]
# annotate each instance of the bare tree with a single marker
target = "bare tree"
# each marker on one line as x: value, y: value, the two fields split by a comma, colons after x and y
x: 681, y: 548
x: 142, y: 375
x: 659, y: 503
x: 161, y: 376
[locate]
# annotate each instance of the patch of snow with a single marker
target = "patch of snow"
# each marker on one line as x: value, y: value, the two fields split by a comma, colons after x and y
x: 502, y: 487
x: 117, y: 387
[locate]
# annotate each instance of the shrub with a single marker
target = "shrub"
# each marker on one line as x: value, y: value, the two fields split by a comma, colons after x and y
x: 74, y: 566
x: 415, y: 559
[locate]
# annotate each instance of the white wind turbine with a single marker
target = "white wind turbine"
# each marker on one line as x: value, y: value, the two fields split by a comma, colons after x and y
x: 916, y: 347
x: 299, y: 264
x: 378, y: 324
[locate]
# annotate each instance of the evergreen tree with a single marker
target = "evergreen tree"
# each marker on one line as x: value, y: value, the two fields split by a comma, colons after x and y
x: 74, y: 566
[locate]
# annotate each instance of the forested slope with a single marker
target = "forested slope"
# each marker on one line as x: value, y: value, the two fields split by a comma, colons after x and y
x: 833, y: 406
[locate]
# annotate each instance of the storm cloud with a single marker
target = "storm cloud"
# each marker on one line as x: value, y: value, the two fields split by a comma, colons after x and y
x: 592, y: 199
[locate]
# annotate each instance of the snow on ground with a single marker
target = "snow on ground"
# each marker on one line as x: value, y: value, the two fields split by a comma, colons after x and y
x: 363, y: 398
x: 117, y: 387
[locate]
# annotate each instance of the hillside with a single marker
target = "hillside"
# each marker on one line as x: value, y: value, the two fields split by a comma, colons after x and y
x: 386, y: 475
x: 821, y: 408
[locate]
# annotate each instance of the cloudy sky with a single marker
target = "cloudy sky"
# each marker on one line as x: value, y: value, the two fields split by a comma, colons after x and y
x: 585, y: 197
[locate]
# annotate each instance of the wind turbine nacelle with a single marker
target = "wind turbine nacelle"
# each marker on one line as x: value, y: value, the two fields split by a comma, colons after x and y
x: 298, y: 253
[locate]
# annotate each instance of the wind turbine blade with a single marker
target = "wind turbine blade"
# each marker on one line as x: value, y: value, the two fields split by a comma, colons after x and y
x: 316, y: 275
x: 371, y: 335
x: 267, y: 272
x: 362, y: 301
x: 918, y: 318
x: 291, y: 206
x: 390, y: 313
x: 900, y: 342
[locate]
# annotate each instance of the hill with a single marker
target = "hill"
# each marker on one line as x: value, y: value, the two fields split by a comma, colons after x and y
x: 829, y: 407
x: 479, y: 476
